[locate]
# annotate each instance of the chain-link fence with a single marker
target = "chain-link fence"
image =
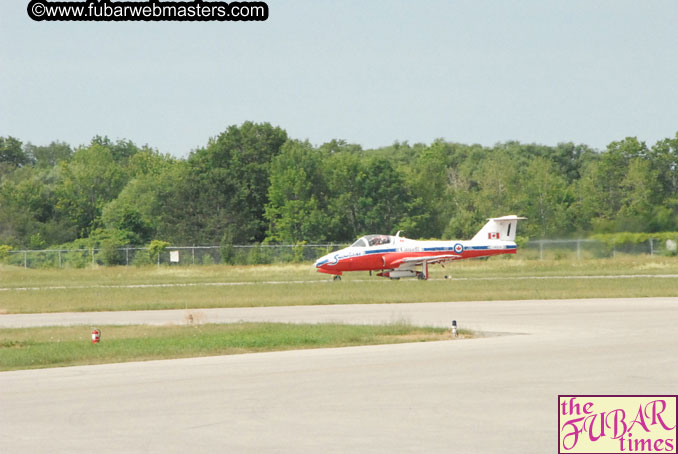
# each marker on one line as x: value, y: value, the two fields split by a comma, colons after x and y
x: 172, y: 255
x: 587, y: 249
x: 286, y: 253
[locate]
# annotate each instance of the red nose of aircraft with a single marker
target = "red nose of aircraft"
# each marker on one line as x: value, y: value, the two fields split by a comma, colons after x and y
x: 326, y: 263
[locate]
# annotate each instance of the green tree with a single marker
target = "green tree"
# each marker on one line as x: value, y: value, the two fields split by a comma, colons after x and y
x: 368, y: 196
x: 28, y: 207
x: 297, y: 194
x: 221, y: 187
x: 138, y: 207
x: 611, y: 171
x: 640, y: 190
x: 49, y: 155
x: 499, y: 185
x: 88, y: 181
x: 121, y: 150
x: 462, y: 189
x: 384, y: 197
x: 428, y: 180
x: 545, y: 200
x: 12, y: 153
x: 587, y: 199
x: 664, y: 158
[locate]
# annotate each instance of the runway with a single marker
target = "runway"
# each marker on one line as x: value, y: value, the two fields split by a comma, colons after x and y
x: 492, y: 394
x: 327, y: 281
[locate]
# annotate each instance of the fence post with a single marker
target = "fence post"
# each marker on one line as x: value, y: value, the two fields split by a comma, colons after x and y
x: 25, y: 260
x: 92, y: 257
x: 651, y: 247
x: 59, y: 258
x: 578, y: 249
x: 126, y: 256
x: 541, y: 250
x: 193, y: 254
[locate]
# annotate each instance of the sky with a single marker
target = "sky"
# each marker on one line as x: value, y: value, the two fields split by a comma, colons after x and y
x: 367, y: 72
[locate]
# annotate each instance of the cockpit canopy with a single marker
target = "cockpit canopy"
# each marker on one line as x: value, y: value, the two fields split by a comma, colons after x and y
x: 373, y: 240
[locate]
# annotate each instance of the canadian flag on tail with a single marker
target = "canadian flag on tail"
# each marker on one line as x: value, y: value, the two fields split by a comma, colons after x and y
x: 502, y: 229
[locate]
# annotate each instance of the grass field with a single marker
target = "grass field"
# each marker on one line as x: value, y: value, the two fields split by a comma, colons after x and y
x: 68, y: 346
x: 103, y: 289
x: 131, y: 288
x: 505, y: 266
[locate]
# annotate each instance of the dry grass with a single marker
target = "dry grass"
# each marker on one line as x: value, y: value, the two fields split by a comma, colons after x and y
x: 507, y: 266
x: 104, y: 289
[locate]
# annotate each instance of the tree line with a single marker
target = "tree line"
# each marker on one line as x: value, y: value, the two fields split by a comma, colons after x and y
x: 254, y: 184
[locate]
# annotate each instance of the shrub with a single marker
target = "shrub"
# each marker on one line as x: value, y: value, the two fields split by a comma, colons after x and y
x: 4, y: 251
x: 227, y: 253
x: 110, y: 253
x: 299, y: 252
x: 155, y: 248
x: 141, y: 258
x: 207, y: 259
x: 258, y: 256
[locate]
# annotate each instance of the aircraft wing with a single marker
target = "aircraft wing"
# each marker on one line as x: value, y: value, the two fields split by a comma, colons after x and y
x: 430, y: 259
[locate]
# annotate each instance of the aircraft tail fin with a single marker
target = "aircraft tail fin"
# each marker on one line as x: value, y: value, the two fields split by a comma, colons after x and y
x: 503, y: 229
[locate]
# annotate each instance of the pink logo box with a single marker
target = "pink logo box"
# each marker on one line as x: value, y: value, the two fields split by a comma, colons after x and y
x: 612, y: 424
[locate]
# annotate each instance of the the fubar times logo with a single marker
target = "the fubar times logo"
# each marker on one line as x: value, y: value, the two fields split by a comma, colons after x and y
x: 590, y: 424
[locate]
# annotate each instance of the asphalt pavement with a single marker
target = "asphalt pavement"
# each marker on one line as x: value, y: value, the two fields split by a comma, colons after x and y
x: 496, y: 393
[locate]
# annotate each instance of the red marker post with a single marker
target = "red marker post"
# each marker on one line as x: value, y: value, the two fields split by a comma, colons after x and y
x: 96, y: 336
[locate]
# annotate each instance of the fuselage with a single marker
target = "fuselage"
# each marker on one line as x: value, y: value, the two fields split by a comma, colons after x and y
x: 387, y: 252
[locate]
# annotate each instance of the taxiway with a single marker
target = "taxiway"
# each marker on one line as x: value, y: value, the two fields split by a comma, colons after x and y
x: 492, y: 394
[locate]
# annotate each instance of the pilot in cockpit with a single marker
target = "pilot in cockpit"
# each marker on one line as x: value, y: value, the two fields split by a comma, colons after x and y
x: 378, y: 239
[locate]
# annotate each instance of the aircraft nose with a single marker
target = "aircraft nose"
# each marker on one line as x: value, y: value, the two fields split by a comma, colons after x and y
x: 321, y: 261
x: 324, y: 260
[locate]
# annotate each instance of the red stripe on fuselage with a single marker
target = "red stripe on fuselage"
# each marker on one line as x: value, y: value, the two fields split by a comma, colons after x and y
x: 372, y: 262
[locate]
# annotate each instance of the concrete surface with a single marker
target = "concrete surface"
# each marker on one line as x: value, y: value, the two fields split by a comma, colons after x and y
x: 493, y: 394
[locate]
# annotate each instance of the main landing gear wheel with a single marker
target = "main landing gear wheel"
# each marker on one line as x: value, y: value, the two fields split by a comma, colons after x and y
x: 336, y: 278
x: 421, y: 276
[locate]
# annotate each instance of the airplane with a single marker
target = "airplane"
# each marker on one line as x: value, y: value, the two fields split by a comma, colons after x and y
x: 396, y: 256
